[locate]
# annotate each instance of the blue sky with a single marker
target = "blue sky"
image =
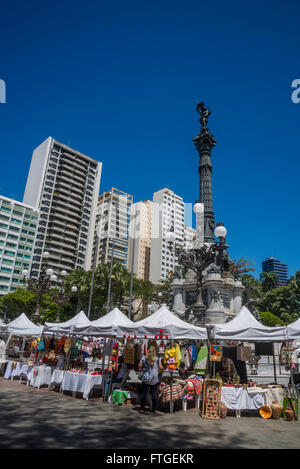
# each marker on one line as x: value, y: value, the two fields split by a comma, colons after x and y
x: 119, y: 81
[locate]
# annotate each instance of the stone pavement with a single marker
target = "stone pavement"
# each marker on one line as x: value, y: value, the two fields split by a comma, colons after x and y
x: 42, y: 419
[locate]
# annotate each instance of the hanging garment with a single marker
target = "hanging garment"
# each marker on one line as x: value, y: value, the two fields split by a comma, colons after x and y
x: 67, y: 345
x: 185, y: 358
x: 194, y: 352
x: 244, y: 354
x: 41, y: 346
x: 201, y: 362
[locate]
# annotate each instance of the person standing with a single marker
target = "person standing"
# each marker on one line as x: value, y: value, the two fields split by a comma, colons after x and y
x: 150, y: 366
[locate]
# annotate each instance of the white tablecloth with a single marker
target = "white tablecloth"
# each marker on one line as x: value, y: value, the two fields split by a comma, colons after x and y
x: 9, y: 372
x: 275, y: 394
x: 39, y: 376
x: 78, y: 382
x: 25, y: 371
x: 240, y: 399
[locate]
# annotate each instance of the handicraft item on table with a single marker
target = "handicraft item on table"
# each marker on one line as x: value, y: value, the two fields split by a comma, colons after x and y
x: 211, y: 399
x: 129, y: 353
x: 286, y: 354
x: 216, y: 352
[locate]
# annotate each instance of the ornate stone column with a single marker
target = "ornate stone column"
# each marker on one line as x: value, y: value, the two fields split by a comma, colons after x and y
x: 204, y: 143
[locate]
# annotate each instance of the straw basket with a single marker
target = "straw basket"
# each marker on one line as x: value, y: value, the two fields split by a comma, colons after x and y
x: 276, y: 410
x: 223, y: 410
x: 265, y: 412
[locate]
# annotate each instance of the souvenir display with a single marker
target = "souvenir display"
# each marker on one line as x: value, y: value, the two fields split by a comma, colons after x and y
x: 216, y: 353
x: 265, y: 412
x: 129, y: 353
x: 286, y: 354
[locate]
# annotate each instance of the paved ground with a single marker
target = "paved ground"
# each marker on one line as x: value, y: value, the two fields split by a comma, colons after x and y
x: 32, y: 418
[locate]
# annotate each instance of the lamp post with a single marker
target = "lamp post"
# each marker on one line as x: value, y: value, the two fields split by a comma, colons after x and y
x: 200, y: 256
x: 60, y: 297
x: 39, y: 286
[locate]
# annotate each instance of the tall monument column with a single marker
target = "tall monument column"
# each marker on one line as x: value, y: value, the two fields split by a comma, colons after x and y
x: 204, y: 143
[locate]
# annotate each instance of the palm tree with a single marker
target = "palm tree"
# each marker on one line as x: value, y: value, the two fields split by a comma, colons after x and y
x: 269, y: 280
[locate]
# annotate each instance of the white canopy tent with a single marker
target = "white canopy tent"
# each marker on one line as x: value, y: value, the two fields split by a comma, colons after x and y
x: 22, y: 326
x: 106, y: 326
x: 293, y: 330
x: 67, y: 326
x: 246, y: 328
x: 163, y: 319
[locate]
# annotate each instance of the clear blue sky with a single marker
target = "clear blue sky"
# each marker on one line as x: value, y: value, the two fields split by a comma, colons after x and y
x: 119, y: 81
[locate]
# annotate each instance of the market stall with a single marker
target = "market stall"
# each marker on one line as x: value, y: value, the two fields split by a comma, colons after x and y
x: 20, y: 334
x: 239, y: 333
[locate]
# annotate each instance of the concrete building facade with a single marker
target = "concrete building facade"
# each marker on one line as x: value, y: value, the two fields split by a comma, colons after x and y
x: 112, y: 227
x: 63, y: 184
x: 274, y: 265
x: 18, y: 227
x: 140, y: 239
x: 167, y: 213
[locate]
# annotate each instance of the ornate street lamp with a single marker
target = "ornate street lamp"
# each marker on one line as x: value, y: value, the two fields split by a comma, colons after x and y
x: 59, y: 297
x: 39, y: 286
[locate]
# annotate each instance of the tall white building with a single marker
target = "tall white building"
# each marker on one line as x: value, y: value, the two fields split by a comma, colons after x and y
x: 18, y: 225
x: 167, y: 213
x: 189, y: 236
x: 63, y: 184
x: 112, y: 227
x: 140, y: 239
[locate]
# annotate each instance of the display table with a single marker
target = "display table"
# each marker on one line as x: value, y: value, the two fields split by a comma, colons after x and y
x: 25, y: 372
x: 57, y: 377
x: 39, y: 376
x: 239, y: 399
x: 13, y: 369
x: 79, y: 382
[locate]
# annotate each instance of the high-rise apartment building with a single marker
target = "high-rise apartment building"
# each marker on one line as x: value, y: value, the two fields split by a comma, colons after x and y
x: 63, y: 184
x: 112, y: 227
x: 274, y: 265
x: 189, y: 236
x: 18, y: 225
x: 140, y: 239
x: 167, y: 213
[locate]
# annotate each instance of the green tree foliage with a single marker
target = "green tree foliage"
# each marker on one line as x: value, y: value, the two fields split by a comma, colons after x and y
x: 283, y: 302
x: 270, y: 320
x: 269, y: 280
x: 18, y: 302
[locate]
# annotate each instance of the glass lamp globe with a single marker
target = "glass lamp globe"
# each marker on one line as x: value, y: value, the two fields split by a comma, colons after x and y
x: 49, y: 272
x: 64, y: 272
x: 46, y: 254
x: 74, y: 289
x: 220, y: 231
x: 25, y: 272
x: 160, y: 294
x: 53, y: 278
x: 170, y: 236
x: 198, y: 208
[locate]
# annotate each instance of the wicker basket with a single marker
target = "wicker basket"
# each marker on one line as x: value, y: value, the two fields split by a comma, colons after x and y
x: 265, y: 412
x: 223, y: 410
x: 276, y: 410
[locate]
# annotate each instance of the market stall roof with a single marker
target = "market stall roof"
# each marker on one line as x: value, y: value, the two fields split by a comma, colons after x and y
x: 106, y: 325
x: 67, y: 326
x: 245, y: 327
x: 164, y: 320
x: 293, y: 330
x: 22, y: 326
